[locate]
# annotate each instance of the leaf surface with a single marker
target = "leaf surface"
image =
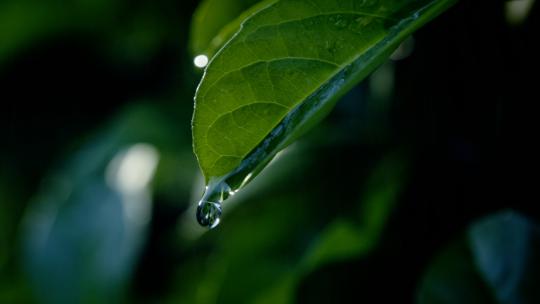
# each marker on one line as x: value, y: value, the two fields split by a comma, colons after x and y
x: 285, y: 68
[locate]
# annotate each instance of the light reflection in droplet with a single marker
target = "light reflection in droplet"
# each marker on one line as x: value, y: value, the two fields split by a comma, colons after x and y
x: 200, y: 61
x: 208, y: 214
x: 246, y: 180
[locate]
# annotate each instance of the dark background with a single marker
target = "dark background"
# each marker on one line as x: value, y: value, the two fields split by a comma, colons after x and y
x: 359, y: 209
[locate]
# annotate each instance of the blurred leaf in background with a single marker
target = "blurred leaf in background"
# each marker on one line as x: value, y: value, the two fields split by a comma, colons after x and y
x: 496, y: 262
x: 85, y: 229
x: 26, y: 22
x: 67, y: 70
x: 129, y: 30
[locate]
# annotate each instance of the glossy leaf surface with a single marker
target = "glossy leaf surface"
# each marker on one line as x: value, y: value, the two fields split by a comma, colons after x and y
x: 284, y: 69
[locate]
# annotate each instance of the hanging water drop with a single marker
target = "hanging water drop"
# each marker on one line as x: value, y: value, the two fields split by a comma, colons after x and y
x: 209, y: 208
x: 208, y: 213
x: 219, y: 189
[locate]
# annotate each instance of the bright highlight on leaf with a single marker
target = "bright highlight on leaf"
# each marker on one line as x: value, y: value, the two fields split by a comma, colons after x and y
x: 284, y: 70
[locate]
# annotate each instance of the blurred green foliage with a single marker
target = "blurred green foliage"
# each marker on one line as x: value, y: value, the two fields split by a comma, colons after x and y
x: 212, y: 24
x: 395, y: 196
x: 495, y: 262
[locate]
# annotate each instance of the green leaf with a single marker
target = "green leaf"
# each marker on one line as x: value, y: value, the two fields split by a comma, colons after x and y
x: 284, y: 70
x: 232, y: 27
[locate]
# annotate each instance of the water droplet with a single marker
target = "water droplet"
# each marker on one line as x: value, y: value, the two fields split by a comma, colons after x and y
x: 208, y: 213
x: 209, y: 209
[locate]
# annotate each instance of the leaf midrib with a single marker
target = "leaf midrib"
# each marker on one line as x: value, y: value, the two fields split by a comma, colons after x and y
x: 417, y: 18
x: 338, y: 68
